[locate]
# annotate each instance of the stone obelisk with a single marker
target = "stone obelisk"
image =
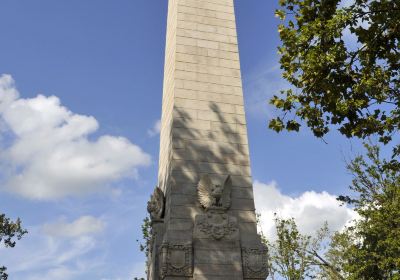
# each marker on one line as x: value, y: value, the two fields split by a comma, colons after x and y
x: 203, y: 216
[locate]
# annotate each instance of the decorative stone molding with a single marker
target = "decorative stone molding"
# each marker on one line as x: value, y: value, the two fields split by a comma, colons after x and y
x: 217, y: 226
x: 156, y: 205
x: 176, y: 260
x: 255, y: 263
x: 214, y: 197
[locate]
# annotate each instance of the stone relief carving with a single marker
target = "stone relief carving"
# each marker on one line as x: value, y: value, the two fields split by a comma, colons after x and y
x: 255, y: 263
x: 217, y: 226
x: 176, y: 260
x: 155, y: 206
x: 214, y: 197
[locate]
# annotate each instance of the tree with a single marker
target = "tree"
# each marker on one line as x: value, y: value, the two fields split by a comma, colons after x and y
x: 295, y: 256
x: 147, y: 236
x: 373, y: 251
x: 9, y: 232
x: 147, y: 240
x: 367, y: 249
x: 288, y: 254
x: 353, y: 87
x: 336, y: 255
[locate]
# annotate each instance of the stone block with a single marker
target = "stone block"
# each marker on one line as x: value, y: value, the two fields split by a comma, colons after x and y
x: 245, y: 193
x: 181, y: 224
x: 183, y: 200
x: 244, y: 216
x: 185, y: 113
x: 192, y: 123
x: 218, y: 270
x: 214, y: 277
x: 208, y: 244
x: 230, y: 47
x: 242, y: 204
x: 186, y: 93
x: 185, y: 212
x: 216, y: 116
x: 239, y: 109
x: 248, y: 232
x: 231, y: 256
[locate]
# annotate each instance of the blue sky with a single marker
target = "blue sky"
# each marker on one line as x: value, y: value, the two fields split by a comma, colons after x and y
x: 96, y: 69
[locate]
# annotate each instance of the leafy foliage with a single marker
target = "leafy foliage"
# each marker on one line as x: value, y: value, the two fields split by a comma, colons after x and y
x: 354, y: 87
x: 147, y: 236
x: 336, y: 255
x: 367, y: 249
x: 10, y: 231
x: 374, y: 250
x: 295, y: 256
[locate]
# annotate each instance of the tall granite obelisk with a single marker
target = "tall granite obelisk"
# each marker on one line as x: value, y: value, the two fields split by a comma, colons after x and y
x: 203, y: 216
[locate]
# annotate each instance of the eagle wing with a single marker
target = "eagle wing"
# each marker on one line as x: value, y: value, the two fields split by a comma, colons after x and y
x: 226, y: 194
x: 204, y: 191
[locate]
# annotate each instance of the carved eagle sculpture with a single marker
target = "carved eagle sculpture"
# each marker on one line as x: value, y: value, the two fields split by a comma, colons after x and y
x: 213, y: 196
x: 155, y: 206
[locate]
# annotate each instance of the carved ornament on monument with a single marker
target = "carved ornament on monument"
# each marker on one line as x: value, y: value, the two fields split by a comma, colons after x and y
x: 215, y: 200
x: 255, y: 263
x: 217, y: 226
x: 156, y: 205
x: 214, y: 196
x: 176, y: 260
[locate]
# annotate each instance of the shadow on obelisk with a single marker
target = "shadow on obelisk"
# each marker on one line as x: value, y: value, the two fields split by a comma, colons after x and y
x: 208, y: 242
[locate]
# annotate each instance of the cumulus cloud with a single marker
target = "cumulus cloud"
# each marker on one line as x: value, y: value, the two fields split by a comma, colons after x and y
x: 99, y: 252
x: 155, y: 130
x: 51, y: 156
x: 310, y: 209
x: 49, y: 257
x: 83, y: 226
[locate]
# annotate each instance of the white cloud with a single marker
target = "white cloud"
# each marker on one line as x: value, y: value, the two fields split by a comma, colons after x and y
x: 57, y: 273
x: 51, y: 155
x: 83, y: 226
x: 155, y: 130
x: 48, y: 257
x: 107, y: 251
x: 310, y: 210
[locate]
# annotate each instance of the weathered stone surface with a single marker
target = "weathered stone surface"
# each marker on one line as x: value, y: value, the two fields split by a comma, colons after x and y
x: 176, y: 259
x: 208, y: 228
x: 156, y: 205
x: 217, y: 257
x: 216, y: 226
x: 255, y: 262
